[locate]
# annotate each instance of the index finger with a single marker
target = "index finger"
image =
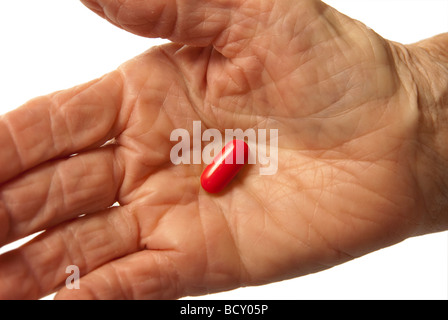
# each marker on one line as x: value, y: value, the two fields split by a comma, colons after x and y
x: 59, y: 124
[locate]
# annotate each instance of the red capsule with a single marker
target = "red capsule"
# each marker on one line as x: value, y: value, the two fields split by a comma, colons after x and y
x: 225, y: 166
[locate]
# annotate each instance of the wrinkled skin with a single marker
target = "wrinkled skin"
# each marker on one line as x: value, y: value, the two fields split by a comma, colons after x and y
x: 349, y: 179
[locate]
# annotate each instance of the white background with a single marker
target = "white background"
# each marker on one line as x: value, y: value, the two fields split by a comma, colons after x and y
x: 49, y: 45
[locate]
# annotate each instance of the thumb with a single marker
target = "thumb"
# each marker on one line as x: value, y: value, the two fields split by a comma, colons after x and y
x: 436, y: 46
x: 199, y: 22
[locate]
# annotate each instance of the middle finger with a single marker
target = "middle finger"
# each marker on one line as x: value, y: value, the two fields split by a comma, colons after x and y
x: 57, y: 191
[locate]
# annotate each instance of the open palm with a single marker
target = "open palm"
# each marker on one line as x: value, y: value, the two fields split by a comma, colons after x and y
x: 345, y: 184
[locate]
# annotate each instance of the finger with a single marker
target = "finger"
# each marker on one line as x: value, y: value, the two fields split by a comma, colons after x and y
x: 59, y: 124
x: 199, y: 23
x: 141, y: 275
x: 59, y: 190
x: 40, y: 267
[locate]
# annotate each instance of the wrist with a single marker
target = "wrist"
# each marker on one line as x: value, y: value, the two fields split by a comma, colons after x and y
x: 425, y: 66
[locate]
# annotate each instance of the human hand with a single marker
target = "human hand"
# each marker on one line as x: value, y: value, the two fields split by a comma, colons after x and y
x: 346, y: 113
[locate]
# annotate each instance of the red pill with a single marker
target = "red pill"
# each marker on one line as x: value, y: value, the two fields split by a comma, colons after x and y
x: 225, y: 166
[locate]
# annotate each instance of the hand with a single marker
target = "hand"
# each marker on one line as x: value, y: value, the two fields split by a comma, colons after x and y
x: 357, y: 154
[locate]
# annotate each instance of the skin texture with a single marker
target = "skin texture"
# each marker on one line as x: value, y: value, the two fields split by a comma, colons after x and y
x: 361, y: 159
